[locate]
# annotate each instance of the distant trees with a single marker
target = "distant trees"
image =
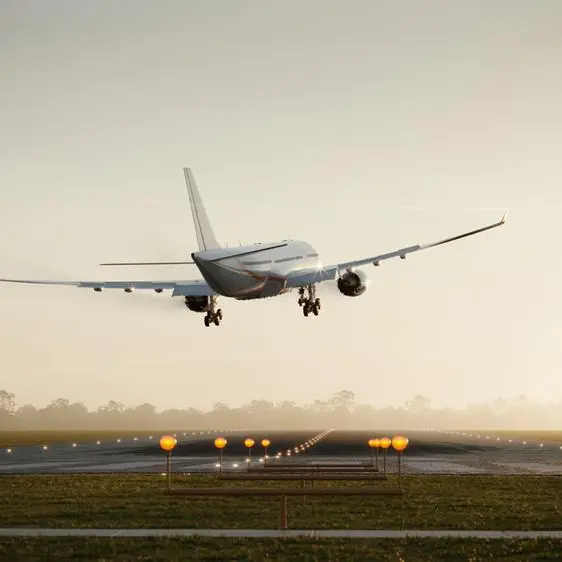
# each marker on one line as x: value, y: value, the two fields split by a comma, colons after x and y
x: 339, y: 410
x: 7, y: 408
x: 7, y: 402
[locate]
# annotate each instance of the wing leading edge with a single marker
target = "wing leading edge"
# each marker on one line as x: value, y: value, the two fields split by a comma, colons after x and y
x: 330, y: 272
x: 184, y: 288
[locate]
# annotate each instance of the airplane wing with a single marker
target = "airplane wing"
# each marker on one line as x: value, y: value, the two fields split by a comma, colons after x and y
x: 329, y: 272
x: 180, y: 288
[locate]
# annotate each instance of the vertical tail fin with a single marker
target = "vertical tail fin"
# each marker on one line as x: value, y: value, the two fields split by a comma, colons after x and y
x: 205, y: 235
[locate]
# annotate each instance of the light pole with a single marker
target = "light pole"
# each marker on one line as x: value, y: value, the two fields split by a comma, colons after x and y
x: 265, y: 443
x: 375, y: 444
x: 168, y: 443
x: 220, y: 444
x: 249, y: 442
x: 399, y: 442
x: 385, y: 444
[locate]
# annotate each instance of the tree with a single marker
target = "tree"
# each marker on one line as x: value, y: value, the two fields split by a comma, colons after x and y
x: 112, y: 407
x: 418, y: 404
x: 59, y: 404
x: 343, y: 400
x: 7, y: 401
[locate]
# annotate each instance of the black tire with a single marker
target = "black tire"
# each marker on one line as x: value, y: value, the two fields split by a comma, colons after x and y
x: 305, y: 310
x: 216, y: 320
x: 315, y: 309
x: 219, y: 314
x: 207, y: 321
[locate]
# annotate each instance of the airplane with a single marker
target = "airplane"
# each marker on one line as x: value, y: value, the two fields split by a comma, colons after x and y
x: 253, y: 271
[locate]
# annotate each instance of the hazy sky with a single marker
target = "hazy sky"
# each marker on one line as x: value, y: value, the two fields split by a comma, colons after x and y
x: 359, y: 126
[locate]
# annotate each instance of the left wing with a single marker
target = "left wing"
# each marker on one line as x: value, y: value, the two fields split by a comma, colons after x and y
x: 185, y: 288
x: 330, y: 272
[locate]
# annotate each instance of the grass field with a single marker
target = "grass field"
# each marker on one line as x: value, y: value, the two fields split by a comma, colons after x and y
x: 206, y: 549
x: 139, y: 500
x: 14, y: 438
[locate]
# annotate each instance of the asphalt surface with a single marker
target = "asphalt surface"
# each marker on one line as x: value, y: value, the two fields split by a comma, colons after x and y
x: 427, y: 452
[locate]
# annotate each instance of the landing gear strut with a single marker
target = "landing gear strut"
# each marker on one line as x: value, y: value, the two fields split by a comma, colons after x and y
x: 308, y: 300
x: 213, y: 316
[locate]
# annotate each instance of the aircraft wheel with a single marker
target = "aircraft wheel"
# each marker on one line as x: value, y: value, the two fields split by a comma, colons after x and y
x: 317, y: 303
x: 207, y: 321
x: 305, y: 310
x: 216, y: 320
x: 315, y: 309
x: 219, y: 314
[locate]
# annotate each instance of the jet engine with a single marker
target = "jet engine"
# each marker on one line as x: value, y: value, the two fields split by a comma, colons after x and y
x: 197, y: 304
x: 352, y: 283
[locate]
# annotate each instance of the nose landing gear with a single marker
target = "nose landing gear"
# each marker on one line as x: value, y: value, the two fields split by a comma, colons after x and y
x: 309, y: 302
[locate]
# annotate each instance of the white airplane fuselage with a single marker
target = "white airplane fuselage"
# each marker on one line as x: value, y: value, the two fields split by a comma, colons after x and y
x: 257, y: 270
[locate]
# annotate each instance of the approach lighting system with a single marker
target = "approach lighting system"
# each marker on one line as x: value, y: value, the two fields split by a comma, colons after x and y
x: 385, y: 443
x: 220, y: 444
x: 374, y: 444
x: 399, y: 443
x: 168, y: 443
x: 249, y: 442
x: 265, y: 443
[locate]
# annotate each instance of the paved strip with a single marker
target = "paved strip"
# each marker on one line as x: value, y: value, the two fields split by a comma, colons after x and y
x: 277, y: 533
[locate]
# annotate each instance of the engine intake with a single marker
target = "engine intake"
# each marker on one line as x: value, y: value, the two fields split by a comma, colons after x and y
x: 352, y: 283
x: 198, y: 304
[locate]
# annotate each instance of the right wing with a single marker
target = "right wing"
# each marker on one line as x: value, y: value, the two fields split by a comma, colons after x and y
x: 329, y: 273
x: 180, y: 288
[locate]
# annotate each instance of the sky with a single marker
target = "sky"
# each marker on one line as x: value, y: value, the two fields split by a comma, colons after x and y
x: 360, y: 126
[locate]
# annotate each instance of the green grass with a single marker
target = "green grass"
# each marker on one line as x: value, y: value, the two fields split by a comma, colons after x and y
x: 209, y: 549
x: 139, y: 501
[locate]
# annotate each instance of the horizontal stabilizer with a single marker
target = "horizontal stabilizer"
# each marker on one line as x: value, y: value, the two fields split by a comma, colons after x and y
x: 152, y: 263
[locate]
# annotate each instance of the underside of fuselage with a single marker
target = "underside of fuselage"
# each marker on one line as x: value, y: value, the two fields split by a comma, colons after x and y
x: 253, y: 272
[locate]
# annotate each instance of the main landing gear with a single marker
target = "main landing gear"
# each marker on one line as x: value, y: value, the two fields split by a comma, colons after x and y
x: 213, y: 316
x: 308, y: 300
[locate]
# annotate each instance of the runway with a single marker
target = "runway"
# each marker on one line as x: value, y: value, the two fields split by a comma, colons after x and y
x: 427, y: 453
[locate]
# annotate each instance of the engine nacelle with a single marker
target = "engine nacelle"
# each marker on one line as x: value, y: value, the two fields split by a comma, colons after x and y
x: 352, y: 283
x: 198, y: 304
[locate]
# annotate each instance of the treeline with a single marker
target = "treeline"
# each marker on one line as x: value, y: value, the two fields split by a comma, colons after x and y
x: 340, y: 410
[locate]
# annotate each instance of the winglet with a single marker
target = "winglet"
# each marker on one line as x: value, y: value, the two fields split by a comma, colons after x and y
x: 504, y: 218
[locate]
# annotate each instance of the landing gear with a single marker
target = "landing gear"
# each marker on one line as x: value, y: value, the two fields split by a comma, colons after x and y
x: 214, y: 316
x: 308, y: 300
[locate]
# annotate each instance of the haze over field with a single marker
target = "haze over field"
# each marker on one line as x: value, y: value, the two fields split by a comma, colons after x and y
x: 342, y: 410
x: 361, y: 127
